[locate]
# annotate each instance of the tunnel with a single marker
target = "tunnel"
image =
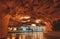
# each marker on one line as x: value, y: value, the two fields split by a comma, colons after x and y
x: 56, y: 25
x: 27, y: 12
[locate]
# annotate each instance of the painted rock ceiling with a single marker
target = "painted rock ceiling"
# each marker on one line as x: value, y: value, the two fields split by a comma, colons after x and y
x: 37, y: 9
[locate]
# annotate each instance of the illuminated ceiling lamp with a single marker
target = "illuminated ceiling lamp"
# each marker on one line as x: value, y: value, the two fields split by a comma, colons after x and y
x: 33, y: 25
x: 26, y: 17
x: 37, y: 21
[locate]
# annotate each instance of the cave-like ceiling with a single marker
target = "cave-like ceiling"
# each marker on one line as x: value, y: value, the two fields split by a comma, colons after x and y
x: 37, y: 9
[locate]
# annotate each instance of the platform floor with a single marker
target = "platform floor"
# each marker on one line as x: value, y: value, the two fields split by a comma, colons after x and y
x: 34, y: 35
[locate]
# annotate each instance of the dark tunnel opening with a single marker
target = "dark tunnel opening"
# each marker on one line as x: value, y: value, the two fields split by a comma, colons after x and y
x: 56, y: 25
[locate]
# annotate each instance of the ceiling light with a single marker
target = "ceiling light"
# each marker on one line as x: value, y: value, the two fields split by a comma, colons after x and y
x: 38, y: 20
x: 26, y: 17
x: 33, y: 24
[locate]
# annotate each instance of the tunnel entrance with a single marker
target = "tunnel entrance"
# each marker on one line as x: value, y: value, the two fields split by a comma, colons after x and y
x: 56, y: 25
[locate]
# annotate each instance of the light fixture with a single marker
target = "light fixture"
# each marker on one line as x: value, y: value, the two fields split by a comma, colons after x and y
x: 26, y: 17
x: 37, y: 21
x: 14, y: 29
x: 33, y: 25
